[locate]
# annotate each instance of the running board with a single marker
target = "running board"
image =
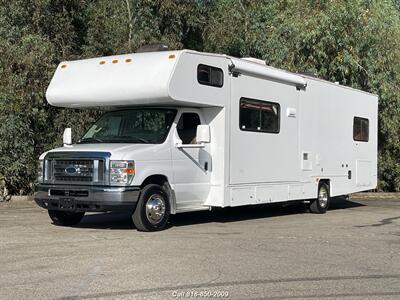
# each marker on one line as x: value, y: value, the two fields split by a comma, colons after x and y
x: 194, y: 208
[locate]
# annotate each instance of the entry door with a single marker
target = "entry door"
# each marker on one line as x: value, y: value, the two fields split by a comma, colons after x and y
x: 258, y: 154
x: 191, y: 162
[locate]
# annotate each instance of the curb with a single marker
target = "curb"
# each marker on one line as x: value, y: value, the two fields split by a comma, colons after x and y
x: 376, y: 196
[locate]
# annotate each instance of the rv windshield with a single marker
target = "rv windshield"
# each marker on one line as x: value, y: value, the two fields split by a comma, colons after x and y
x: 144, y: 126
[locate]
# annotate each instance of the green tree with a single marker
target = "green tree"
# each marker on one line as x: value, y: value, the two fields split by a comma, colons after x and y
x: 120, y: 27
x: 34, y: 37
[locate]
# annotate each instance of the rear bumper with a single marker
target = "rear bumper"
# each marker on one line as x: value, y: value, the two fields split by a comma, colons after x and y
x: 86, y: 198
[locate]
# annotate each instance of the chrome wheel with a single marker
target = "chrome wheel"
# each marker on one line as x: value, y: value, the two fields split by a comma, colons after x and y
x: 155, y: 209
x: 323, y: 197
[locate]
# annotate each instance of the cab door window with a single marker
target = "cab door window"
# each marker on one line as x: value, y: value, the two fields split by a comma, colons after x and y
x: 187, y: 127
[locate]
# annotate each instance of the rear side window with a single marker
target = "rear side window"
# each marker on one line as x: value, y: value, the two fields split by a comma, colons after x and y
x: 208, y: 75
x: 260, y: 116
x: 360, y: 129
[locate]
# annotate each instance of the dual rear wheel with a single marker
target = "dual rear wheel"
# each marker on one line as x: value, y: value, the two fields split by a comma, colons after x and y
x: 321, y: 204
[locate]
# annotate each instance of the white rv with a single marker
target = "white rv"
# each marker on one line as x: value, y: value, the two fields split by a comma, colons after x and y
x: 185, y: 131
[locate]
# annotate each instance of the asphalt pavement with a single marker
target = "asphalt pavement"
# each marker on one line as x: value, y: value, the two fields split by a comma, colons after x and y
x: 261, y: 252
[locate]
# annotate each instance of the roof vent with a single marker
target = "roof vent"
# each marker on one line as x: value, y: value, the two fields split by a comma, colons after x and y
x: 255, y: 60
x: 152, y: 48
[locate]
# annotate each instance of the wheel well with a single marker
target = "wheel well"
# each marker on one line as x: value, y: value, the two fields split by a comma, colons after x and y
x: 162, y: 180
x: 327, y: 182
x: 154, y: 179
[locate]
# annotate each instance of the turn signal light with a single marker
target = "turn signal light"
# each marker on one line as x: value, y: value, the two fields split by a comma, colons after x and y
x: 128, y: 171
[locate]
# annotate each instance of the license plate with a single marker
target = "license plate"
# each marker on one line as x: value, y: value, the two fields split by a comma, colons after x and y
x: 66, y: 204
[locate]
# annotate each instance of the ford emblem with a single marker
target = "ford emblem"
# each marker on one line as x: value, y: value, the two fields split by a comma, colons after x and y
x: 71, y: 170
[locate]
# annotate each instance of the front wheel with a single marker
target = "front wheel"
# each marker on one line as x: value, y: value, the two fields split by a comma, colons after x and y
x: 321, y: 204
x: 152, y: 210
x: 64, y: 218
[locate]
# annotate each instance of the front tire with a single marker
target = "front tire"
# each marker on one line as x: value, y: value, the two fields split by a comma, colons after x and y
x: 152, y: 210
x: 64, y: 218
x: 321, y: 204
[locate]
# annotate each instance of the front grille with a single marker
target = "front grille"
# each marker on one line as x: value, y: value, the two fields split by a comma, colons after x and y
x: 77, y: 170
x: 73, y: 170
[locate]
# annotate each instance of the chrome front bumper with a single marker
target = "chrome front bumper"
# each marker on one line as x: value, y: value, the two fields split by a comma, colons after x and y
x: 86, y: 198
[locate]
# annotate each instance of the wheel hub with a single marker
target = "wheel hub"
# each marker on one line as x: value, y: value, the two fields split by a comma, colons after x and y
x: 323, y: 197
x: 155, y: 209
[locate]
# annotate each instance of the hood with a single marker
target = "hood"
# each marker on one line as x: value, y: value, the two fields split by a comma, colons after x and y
x: 119, y: 151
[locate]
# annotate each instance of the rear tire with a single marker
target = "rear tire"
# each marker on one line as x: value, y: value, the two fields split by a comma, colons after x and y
x: 152, y: 210
x: 64, y: 218
x: 321, y: 204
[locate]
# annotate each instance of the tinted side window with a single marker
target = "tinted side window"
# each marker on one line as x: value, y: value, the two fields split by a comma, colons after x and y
x: 187, y: 127
x: 210, y: 75
x: 262, y: 116
x: 360, y: 129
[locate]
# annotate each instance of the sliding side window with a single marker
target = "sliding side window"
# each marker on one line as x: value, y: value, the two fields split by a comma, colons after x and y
x: 208, y: 75
x: 360, y: 129
x: 259, y: 116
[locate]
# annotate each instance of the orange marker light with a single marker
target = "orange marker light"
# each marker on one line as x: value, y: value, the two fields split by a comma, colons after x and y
x: 171, y: 56
x: 128, y: 171
x: 115, y: 61
x: 63, y: 66
x: 128, y: 60
x: 102, y: 62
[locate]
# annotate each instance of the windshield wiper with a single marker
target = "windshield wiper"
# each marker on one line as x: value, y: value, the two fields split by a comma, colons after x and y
x: 90, y: 140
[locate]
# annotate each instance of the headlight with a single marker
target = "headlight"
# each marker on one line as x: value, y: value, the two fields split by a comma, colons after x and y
x: 40, y: 171
x: 121, y: 172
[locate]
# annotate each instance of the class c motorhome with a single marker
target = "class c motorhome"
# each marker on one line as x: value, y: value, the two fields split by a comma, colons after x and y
x: 185, y: 131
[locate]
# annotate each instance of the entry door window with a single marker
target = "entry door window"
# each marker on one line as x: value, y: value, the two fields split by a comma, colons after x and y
x: 187, y: 127
x: 259, y: 116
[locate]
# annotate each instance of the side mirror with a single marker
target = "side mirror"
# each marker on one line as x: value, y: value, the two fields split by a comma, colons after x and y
x: 67, y: 137
x: 203, y: 134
